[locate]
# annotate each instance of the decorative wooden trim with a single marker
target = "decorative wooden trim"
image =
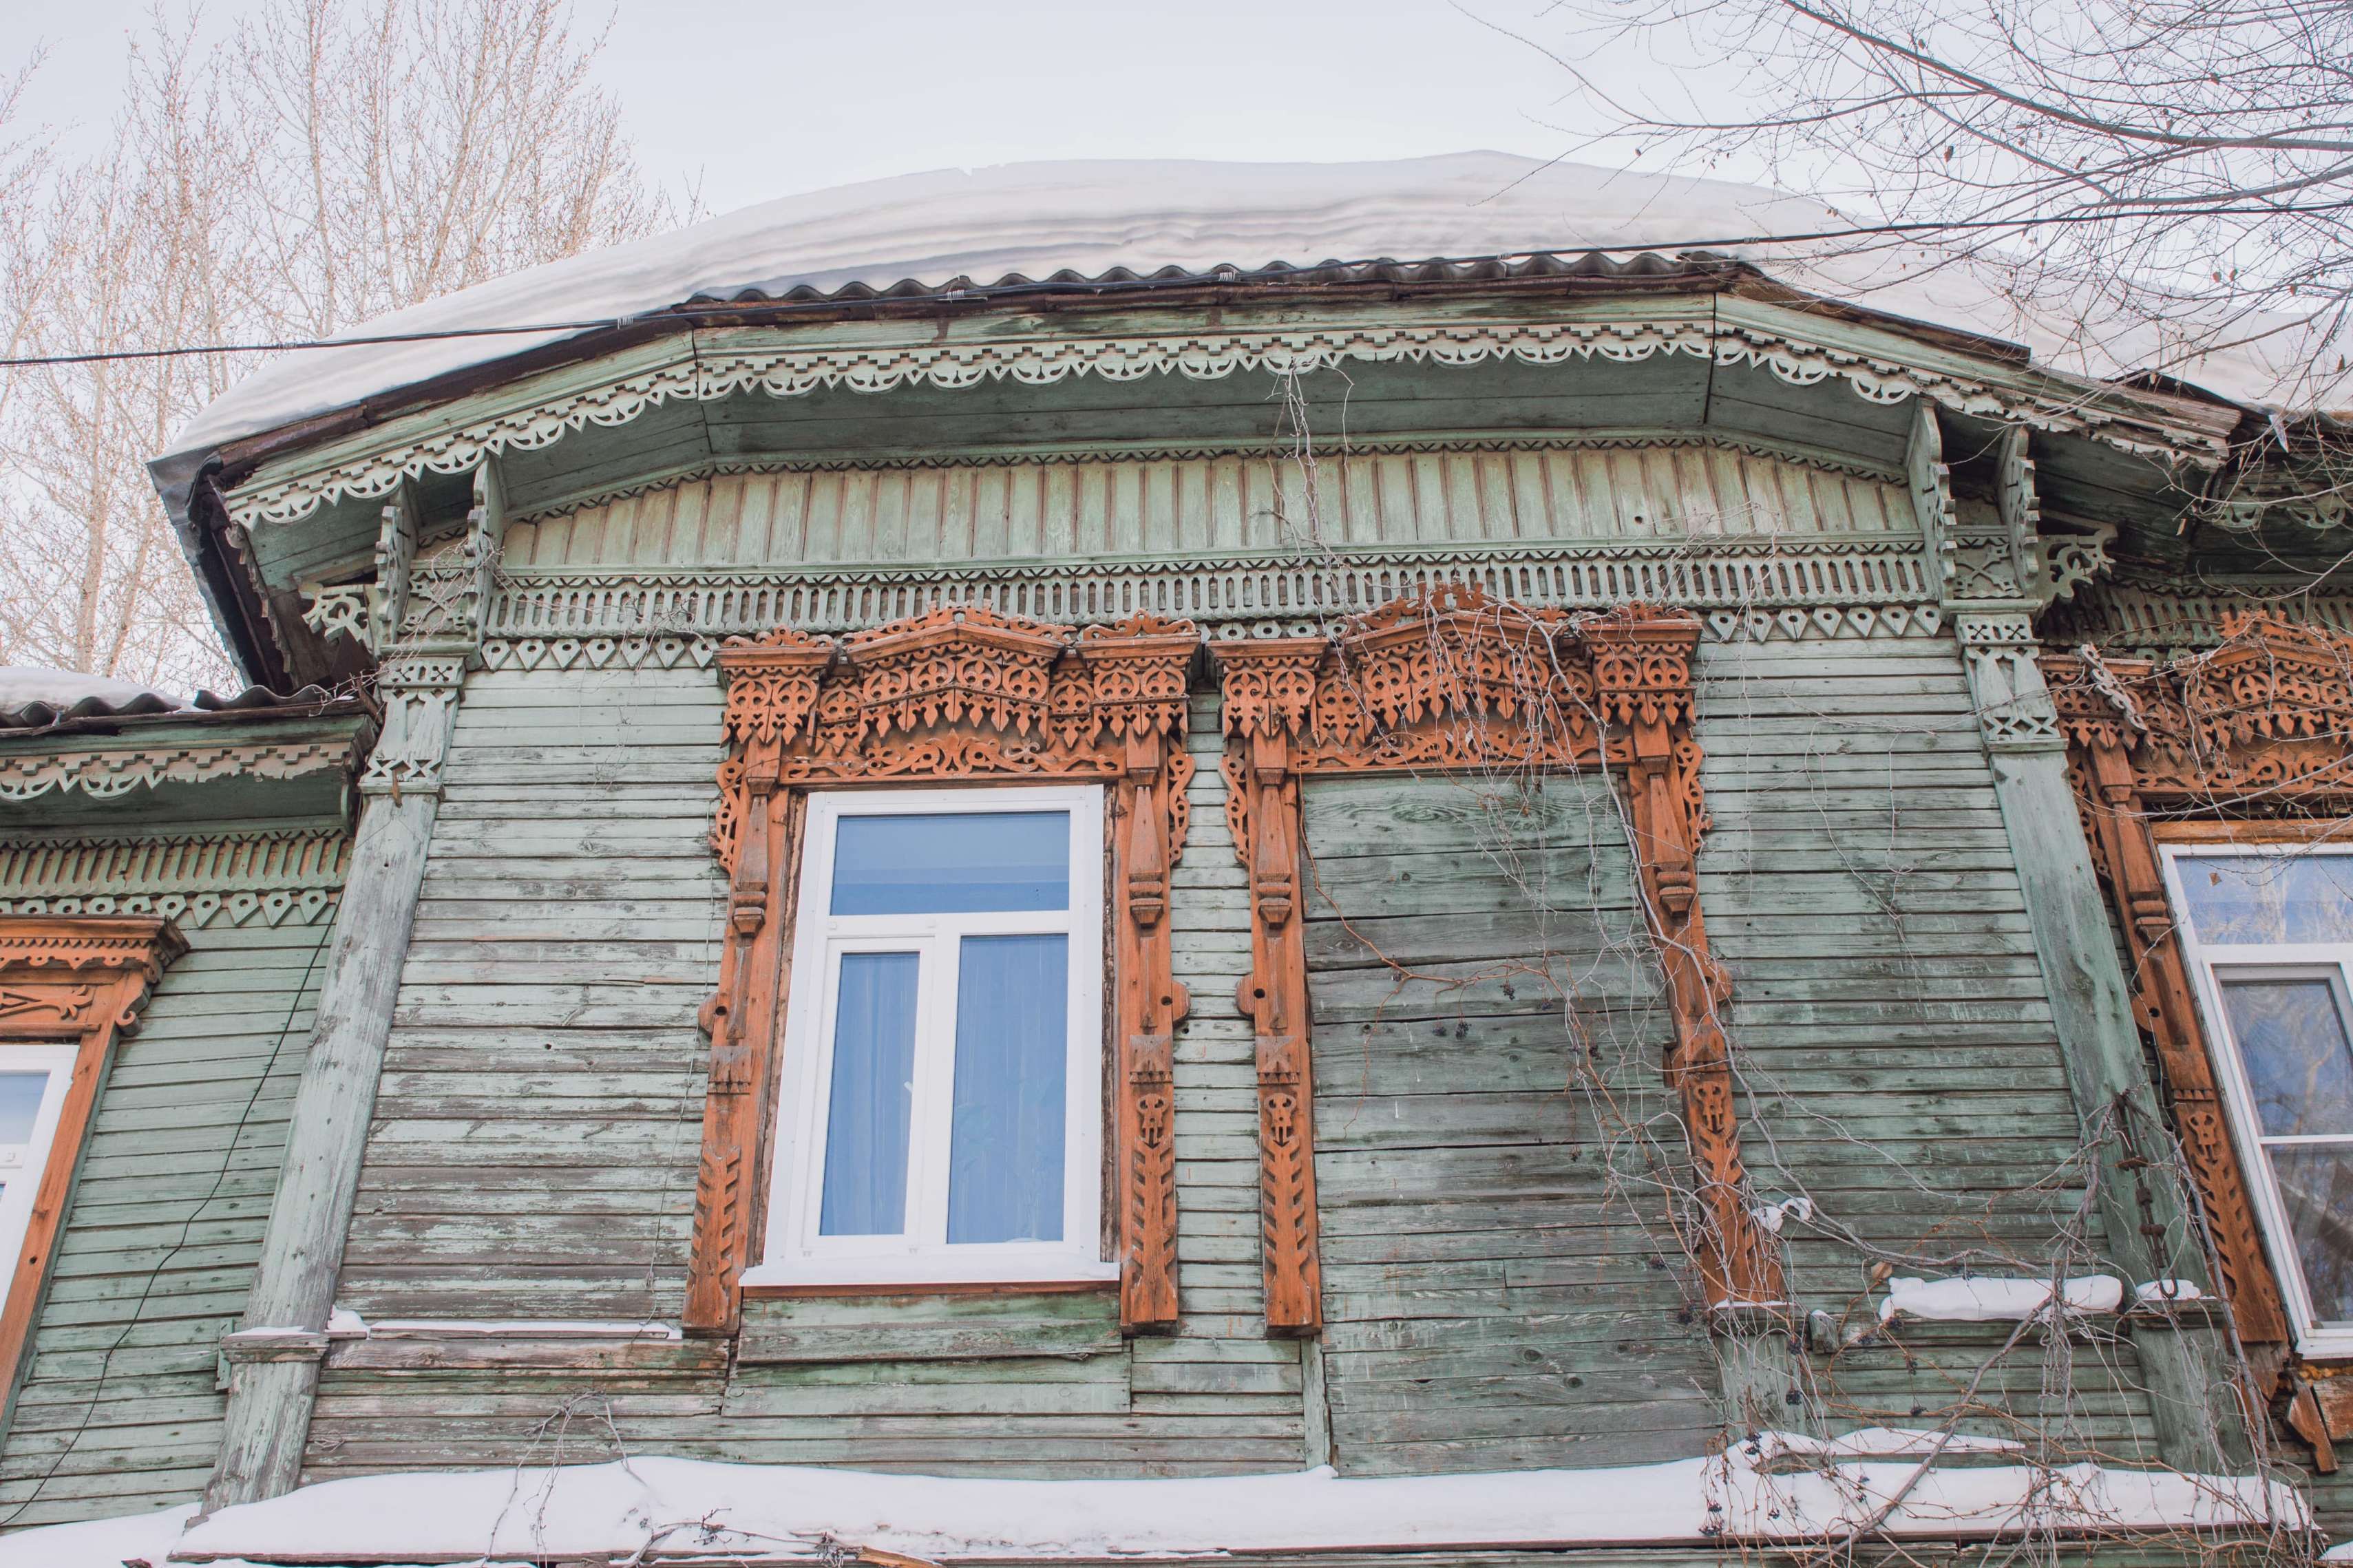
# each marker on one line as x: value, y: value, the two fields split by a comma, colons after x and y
x: 959, y: 694
x: 2251, y: 729
x: 85, y: 981
x: 1453, y: 679
x: 884, y: 355
x: 946, y: 1287
x: 1749, y: 588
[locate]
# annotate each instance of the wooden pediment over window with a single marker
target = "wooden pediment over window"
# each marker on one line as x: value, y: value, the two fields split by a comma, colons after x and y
x: 2255, y: 730
x: 80, y: 981
x: 956, y: 694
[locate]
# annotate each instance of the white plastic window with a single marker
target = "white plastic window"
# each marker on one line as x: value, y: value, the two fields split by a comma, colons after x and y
x: 940, y: 1115
x: 33, y: 1079
x: 2269, y: 935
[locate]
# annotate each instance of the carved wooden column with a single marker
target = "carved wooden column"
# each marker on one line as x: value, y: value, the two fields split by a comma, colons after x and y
x: 1269, y: 687
x: 958, y: 694
x: 1993, y: 572
x: 426, y: 624
x: 1643, y: 679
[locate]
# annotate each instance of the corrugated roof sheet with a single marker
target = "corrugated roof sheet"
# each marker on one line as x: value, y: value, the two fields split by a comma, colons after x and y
x: 97, y: 714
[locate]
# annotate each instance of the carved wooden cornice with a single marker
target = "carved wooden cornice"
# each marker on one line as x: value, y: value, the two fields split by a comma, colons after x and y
x: 83, y: 981
x: 883, y: 356
x: 105, y: 773
x: 956, y: 694
x: 1451, y: 679
x: 2261, y: 726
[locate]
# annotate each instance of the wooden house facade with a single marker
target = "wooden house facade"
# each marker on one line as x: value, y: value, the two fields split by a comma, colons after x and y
x: 1444, y: 870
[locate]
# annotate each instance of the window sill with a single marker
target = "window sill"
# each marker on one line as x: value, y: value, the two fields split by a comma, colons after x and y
x: 903, y: 1277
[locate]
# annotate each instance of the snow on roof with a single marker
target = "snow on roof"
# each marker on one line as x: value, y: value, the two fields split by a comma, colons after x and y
x: 658, y: 1509
x: 1089, y: 217
x: 21, y: 685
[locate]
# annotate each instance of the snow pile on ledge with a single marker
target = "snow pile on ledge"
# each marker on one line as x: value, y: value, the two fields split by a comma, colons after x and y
x: 1996, y: 1301
x: 665, y: 1508
x: 2167, y: 1292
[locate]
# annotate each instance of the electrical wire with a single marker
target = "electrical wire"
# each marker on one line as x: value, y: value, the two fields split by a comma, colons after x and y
x: 971, y: 293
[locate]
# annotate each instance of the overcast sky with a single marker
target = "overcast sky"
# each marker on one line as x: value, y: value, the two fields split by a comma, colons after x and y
x: 764, y: 99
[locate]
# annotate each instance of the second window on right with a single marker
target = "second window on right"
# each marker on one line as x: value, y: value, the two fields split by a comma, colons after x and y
x: 2268, y: 931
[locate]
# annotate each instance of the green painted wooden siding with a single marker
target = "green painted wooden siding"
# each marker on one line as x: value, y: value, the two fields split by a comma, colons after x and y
x: 1501, y: 1283
x: 1888, y: 1020
x: 540, y: 1114
x: 119, y: 1412
x: 1108, y: 508
x: 536, y: 1133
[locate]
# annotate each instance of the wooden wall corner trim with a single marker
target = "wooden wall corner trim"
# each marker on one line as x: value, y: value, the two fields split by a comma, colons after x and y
x: 958, y: 694
x: 83, y: 981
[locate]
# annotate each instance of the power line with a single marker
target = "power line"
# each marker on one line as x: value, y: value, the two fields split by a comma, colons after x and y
x: 972, y: 294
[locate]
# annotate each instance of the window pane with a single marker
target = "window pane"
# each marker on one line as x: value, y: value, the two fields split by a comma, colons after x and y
x: 2299, y: 1063
x: 2233, y: 898
x: 873, y: 1093
x: 20, y: 1104
x: 1005, y: 1160
x: 952, y: 863
x: 2315, y: 1182
x: 2317, y: 897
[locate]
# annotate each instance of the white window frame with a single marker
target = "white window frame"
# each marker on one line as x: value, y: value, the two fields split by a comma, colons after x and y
x: 794, y: 1253
x: 2261, y: 961
x: 22, y: 1165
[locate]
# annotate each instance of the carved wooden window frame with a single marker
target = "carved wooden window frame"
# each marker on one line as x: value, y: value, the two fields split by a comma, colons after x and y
x: 1447, y: 681
x: 2243, y: 740
x: 78, y: 981
x: 954, y: 695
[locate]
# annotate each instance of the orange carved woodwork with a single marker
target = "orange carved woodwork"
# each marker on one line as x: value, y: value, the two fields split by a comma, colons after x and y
x: 1454, y: 680
x: 83, y: 981
x: 2252, y: 730
x: 955, y: 695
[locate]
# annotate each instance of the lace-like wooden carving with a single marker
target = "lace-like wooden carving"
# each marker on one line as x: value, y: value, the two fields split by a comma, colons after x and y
x: 1453, y: 679
x: 81, y: 981
x: 2255, y: 727
x: 955, y: 694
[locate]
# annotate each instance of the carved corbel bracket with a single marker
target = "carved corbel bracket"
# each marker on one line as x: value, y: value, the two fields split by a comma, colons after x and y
x: 957, y: 694
x: 419, y: 692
